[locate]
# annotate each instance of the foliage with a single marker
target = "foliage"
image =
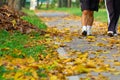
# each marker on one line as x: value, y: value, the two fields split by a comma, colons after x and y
x: 101, y: 15
x: 33, y: 19
x: 3, y: 70
x: 53, y: 3
x: 102, y: 4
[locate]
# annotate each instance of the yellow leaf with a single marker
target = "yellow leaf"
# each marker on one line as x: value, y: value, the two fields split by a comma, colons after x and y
x: 30, y: 59
x: 80, y: 69
x: 13, y: 22
x: 5, y: 49
x: 34, y: 74
x: 91, y: 38
x: 17, y: 75
x: 67, y: 60
x: 53, y: 77
x: 90, y: 65
x: 117, y: 63
x: 68, y: 72
x: 101, y: 44
x: 47, y: 35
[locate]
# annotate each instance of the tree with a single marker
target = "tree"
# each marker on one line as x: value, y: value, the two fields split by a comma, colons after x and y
x: 33, y: 4
x: 69, y: 3
x: 38, y: 2
x: 14, y: 4
x: 1, y: 3
x: 23, y: 3
x: 47, y: 3
x: 64, y: 3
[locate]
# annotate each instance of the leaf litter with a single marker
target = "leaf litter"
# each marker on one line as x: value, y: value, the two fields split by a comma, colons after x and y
x: 55, y: 67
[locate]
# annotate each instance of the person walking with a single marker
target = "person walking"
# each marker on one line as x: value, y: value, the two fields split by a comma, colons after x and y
x: 113, y: 10
x: 88, y: 7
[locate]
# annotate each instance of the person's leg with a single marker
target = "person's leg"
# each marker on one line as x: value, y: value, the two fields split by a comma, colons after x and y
x: 85, y: 7
x: 112, y: 25
x: 90, y: 22
x: 117, y: 12
x: 108, y: 13
x: 85, y: 18
x: 116, y: 18
x: 113, y: 17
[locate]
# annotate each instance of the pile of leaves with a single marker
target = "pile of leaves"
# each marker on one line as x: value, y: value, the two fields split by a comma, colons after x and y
x: 10, y: 20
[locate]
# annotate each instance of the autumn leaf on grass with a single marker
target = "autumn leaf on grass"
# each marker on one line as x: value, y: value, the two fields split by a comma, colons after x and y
x: 18, y: 52
x: 30, y: 59
x: 5, y: 49
x: 18, y: 75
x: 47, y: 35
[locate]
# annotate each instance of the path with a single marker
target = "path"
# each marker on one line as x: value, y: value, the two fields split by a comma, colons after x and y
x: 100, y: 44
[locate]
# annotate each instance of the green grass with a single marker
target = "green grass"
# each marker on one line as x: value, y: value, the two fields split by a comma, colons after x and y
x: 13, y: 44
x: 2, y: 71
x: 101, y: 15
x: 33, y: 19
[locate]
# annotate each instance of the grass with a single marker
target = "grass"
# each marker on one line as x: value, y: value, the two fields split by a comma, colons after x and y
x: 101, y: 15
x: 13, y: 44
x: 33, y: 19
x: 18, y: 45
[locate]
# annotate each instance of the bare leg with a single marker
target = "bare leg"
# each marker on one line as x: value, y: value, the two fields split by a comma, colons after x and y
x: 85, y: 18
x: 90, y: 22
x: 91, y: 18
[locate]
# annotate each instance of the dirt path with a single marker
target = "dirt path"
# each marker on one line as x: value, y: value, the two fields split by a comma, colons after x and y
x: 99, y: 45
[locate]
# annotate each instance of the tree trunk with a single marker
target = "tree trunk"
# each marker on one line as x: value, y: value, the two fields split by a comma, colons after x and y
x: 15, y: 4
x: 33, y: 4
x: 47, y: 3
x: 23, y: 3
x: 41, y: 4
x: 69, y: 3
x: 10, y: 3
x: 59, y: 3
x: 1, y: 3
x: 64, y: 3
x: 37, y: 3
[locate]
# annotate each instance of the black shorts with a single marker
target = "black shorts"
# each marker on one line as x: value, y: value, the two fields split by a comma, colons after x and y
x: 92, y: 5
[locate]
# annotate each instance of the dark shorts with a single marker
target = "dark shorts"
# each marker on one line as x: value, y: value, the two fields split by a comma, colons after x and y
x: 92, y: 5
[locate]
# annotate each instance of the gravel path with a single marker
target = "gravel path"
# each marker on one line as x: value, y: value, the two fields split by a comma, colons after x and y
x: 81, y: 44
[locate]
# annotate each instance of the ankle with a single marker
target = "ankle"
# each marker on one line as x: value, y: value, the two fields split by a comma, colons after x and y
x: 84, y: 28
